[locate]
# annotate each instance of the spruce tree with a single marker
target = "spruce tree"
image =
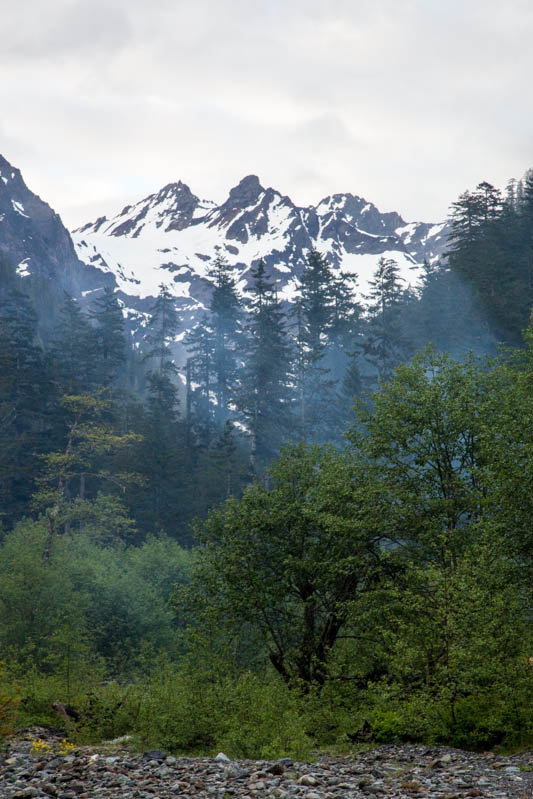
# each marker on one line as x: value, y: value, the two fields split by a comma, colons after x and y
x: 26, y: 396
x: 265, y: 397
x: 384, y: 344
x: 200, y: 343
x: 109, y: 336
x: 345, y: 344
x: 490, y: 252
x: 163, y: 455
x: 315, y: 310
x: 225, y: 321
x: 73, y: 350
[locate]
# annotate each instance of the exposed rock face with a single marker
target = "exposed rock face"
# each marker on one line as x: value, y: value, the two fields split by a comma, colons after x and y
x: 401, y: 772
x: 173, y: 237
x: 34, y: 239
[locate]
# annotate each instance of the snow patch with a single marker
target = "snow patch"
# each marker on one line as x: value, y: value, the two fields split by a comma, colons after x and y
x: 19, y: 209
x: 364, y: 266
x: 406, y: 232
x: 22, y: 268
x: 435, y: 230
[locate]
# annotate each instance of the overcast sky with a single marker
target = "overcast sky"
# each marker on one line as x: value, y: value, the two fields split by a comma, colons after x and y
x: 404, y: 102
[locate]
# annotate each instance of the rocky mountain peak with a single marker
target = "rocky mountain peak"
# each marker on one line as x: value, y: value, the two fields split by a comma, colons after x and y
x: 10, y: 177
x: 174, y: 236
x: 34, y: 239
x: 178, y: 190
x: 246, y: 192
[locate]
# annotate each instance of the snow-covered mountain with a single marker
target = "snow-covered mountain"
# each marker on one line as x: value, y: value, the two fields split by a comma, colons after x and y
x: 173, y: 237
x: 35, y: 241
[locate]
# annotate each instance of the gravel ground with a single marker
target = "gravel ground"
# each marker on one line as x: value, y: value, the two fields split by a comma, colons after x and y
x: 414, y: 772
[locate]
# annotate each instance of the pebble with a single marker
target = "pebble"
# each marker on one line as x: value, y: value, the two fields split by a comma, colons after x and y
x: 385, y: 772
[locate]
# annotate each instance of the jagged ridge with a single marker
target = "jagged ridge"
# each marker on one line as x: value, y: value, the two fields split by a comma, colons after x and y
x: 172, y: 237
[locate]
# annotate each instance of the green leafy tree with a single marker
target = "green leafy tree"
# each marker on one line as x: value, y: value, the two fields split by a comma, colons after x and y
x: 291, y: 562
x: 508, y: 450
x: 84, y: 465
x: 454, y: 614
x: 424, y: 436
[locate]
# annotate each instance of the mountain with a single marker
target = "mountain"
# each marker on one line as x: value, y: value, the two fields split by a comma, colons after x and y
x: 173, y: 237
x: 35, y: 241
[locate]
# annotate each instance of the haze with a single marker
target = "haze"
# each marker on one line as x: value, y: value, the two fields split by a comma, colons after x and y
x: 406, y: 103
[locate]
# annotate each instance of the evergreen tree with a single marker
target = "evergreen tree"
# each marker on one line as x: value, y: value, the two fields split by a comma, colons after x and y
x: 384, y: 343
x: 265, y: 394
x: 315, y: 312
x: 200, y: 342
x: 345, y: 344
x: 525, y: 210
x: 73, y: 350
x: 446, y: 315
x: 161, y: 330
x: 162, y: 452
x: 225, y: 321
x: 489, y: 252
x: 25, y: 404
x: 109, y: 336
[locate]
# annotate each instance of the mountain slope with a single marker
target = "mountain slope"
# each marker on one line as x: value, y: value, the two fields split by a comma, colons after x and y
x: 35, y: 241
x: 173, y: 237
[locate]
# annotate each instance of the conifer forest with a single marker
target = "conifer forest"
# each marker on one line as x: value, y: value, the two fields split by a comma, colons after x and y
x: 313, y: 532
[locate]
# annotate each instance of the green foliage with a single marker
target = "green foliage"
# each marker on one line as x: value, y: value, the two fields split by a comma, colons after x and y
x: 264, y: 397
x: 245, y: 715
x: 9, y: 706
x: 26, y: 396
x: 290, y: 560
x: 381, y: 593
x: 490, y: 249
x: 92, y: 603
x: 384, y: 343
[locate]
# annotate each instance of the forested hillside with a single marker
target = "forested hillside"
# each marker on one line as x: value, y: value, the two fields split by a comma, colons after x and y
x: 326, y: 507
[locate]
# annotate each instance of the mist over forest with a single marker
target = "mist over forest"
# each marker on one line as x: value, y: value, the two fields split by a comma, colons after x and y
x: 322, y: 505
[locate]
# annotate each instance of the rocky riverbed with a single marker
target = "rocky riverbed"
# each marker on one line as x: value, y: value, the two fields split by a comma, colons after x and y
x: 413, y: 772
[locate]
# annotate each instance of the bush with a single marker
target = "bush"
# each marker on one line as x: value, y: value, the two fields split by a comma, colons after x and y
x: 249, y: 715
x: 9, y: 707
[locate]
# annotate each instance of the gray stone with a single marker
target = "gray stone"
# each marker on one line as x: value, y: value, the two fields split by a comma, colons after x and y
x: 234, y: 771
x: 155, y: 754
x: 307, y: 779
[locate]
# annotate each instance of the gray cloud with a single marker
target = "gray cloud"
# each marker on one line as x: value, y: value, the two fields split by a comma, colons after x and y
x: 407, y: 103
